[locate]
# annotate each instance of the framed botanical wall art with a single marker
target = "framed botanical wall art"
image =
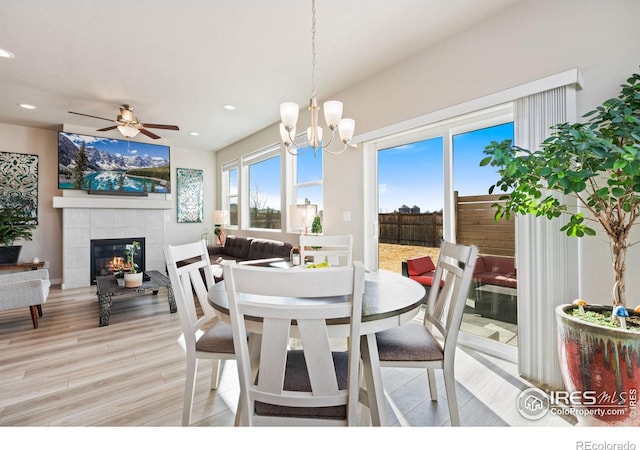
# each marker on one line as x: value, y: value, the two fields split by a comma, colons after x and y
x: 190, y: 186
x: 19, y: 182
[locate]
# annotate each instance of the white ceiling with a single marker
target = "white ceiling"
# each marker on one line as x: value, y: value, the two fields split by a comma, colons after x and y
x: 179, y: 61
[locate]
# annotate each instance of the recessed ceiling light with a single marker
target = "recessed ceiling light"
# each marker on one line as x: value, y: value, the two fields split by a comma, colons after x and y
x: 229, y: 107
x: 194, y: 133
x: 6, y: 53
x: 26, y: 106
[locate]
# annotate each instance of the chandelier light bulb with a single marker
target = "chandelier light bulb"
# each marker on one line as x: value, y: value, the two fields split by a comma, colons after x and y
x: 289, y: 114
x: 332, y: 113
x: 346, y: 129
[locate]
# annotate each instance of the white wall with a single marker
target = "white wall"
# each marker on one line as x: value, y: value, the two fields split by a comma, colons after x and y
x: 182, y: 233
x: 47, y: 242
x: 47, y: 238
x: 532, y: 40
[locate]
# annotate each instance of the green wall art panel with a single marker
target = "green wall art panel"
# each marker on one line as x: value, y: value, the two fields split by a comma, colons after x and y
x: 19, y: 182
x: 190, y: 195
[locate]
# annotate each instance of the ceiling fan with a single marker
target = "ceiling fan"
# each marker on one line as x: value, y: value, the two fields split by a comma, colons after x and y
x: 129, y: 125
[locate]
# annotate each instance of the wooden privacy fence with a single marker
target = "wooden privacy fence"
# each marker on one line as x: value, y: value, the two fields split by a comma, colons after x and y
x: 475, y: 225
x: 420, y: 229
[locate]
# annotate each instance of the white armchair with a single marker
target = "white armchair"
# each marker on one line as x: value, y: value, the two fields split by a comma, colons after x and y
x: 22, y: 289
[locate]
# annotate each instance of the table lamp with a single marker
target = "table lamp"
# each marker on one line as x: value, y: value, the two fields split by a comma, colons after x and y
x: 220, y: 219
x: 301, y: 216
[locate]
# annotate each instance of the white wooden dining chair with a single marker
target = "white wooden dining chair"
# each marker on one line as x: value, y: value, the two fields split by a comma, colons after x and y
x: 311, y: 386
x: 336, y: 250
x: 415, y: 345
x: 205, y: 337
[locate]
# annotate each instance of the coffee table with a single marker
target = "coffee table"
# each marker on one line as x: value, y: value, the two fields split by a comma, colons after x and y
x: 108, y: 288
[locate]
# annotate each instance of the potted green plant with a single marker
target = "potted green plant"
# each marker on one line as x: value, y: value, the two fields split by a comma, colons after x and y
x: 119, y: 274
x: 132, y: 278
x: 316, y: 226
x: 15, y: 224
x: 596, y: 162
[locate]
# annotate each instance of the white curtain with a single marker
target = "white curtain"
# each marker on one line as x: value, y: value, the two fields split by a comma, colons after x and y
x: 546, y: 259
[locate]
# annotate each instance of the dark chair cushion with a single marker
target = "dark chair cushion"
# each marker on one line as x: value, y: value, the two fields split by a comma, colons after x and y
x: 296, y: 378
x: 409, y: 342
x: 217, y: 339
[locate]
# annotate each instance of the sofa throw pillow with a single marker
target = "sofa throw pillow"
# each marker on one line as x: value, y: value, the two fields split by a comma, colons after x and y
x: 418, y: 266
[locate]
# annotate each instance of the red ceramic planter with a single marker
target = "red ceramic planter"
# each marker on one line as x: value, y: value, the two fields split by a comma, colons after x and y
x: 601, y: 367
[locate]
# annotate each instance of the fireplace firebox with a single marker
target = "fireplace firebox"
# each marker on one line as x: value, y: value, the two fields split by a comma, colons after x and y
x: 109, y: 254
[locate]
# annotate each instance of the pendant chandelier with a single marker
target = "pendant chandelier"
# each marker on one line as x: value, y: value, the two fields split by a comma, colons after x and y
x: 332, y: 114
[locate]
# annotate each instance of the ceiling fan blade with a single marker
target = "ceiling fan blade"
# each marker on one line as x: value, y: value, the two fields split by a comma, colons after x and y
x: 149, y: 133
x: 89, y: 115
x: 108, y: 128
x: 163, y: 127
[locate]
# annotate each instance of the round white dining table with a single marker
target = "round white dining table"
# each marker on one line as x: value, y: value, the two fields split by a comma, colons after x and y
x: 390, y: 300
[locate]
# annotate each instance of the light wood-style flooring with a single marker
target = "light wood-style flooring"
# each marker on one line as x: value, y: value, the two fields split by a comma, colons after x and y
x: 71, y: 372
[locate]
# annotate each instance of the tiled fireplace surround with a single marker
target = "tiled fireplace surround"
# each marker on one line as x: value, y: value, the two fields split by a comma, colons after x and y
x: 86, y: 218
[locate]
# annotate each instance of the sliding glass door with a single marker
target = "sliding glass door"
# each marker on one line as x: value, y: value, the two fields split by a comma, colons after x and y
x: 430, y: 187
x: 491, y: 310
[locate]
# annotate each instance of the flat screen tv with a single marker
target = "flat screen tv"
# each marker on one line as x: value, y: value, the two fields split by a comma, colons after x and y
x: 112, y: 166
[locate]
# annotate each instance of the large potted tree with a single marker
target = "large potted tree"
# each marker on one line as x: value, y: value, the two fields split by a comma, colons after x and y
x: 15, y: 224
x: 597, y: 163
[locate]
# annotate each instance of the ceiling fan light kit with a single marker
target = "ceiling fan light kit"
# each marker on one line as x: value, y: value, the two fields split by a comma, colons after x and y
x: 127, y: 131
x: 129, y: 125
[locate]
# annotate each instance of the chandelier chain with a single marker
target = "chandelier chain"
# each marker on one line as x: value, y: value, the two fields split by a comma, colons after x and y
x: 332, y: 111
x: 313, y: 47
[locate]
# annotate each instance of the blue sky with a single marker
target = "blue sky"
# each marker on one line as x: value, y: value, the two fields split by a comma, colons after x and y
x: 266, y: 175
x: 412, y: 174
x: 407, y: 175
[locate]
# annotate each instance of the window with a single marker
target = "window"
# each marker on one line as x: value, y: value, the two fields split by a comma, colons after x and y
x: 230, y: 191
x: 263, y: 193
x: 468, y: 147
x: 307, y: 179
x: 410, y: 177
x: 256, y: 190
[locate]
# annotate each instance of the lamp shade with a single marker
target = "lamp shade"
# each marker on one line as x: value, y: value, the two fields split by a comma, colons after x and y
x: 220, y: 217
x: 301, y: 216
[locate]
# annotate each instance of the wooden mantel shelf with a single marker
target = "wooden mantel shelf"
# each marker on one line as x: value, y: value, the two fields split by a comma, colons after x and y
x: 111, y: 202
